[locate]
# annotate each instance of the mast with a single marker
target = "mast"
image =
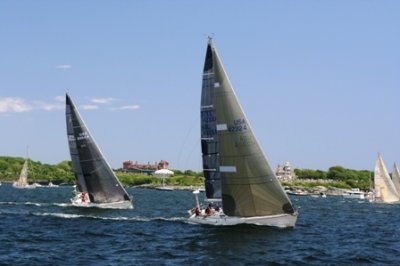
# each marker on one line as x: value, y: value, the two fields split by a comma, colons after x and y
x: 209, y: 138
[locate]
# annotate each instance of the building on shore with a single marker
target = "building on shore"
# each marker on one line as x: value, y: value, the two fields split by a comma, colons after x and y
x: 129, y: 166
x: 285, y: 172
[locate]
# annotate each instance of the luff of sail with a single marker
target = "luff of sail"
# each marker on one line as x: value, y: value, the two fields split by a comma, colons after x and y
x: 385, y: 190
x: 93, y: 174
x: 209, y: 139
x: 249, y: 185
x: 396, y: 178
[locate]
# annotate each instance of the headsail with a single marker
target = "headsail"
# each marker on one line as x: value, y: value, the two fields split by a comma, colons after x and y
x: 249, y: 185
x: 385, y: 190
x: 93, y: 174
x: 396, y: 178
x: 209, y: 139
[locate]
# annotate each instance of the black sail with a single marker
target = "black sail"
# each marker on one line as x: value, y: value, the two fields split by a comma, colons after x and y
x: 92, y: 172
x: 249, y: 185
x: 209, y: 139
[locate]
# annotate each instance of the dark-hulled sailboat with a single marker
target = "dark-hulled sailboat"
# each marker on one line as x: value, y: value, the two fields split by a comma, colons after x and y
x: 96, y: 183
x: 235, y: 168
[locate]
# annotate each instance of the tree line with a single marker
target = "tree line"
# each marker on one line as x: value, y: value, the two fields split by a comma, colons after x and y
x: 337, y: 176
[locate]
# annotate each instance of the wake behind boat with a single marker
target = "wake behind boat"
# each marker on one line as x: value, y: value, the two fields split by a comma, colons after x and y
x: 241, y: 187
x: 96, y: 183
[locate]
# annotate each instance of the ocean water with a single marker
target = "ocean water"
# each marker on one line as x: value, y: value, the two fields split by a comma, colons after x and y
x: 40, y: 227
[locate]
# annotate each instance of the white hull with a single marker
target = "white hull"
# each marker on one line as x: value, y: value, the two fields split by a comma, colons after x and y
x: 16, y: 185
x: 165, y: 188
x: 354, y: 196
x: 83, y: 201
x: 278, y: 220
x: 114, y: 205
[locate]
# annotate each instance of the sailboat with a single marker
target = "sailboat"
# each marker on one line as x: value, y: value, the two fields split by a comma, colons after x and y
x: 384, y: 189
x: 396, y: 178
x: 22, y: 181
x: 241, y: 187
x: 96, y: 183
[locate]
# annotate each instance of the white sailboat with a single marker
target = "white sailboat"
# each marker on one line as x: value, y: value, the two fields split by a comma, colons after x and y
x: 396, y: 178
x: 241, y: 187
x: 384, y: 189
x: 96, y: 183
x: 22, y: 181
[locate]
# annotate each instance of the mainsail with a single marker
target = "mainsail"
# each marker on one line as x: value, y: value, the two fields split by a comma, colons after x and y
x: 249, y: 185
x: 209, y: 138
x: 396, y: 178
x: 385, y: 190
x: 92, y: 172
x: 23, y: 177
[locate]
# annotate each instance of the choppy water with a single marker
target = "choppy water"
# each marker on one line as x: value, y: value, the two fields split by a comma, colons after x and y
x: 40, y: 227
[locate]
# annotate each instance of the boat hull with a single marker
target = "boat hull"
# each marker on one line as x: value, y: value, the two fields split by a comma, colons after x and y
x: 112, y: 205
x: 15, y: 185
x: 278, y: 220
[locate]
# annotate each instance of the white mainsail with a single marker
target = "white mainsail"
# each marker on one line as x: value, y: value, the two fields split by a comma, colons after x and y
x: 22, y: 181
x: 396, y: 178
x: 23, y: 177
x: 385, y: 190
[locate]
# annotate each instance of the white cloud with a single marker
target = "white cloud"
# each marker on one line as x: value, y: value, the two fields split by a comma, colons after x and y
x: 89, y: 107
x: 102, y: 100
x: 10, y: 104
x: 60, y: 98
x: 64, y: 66
x: 48, y: 106
x: 125, y: 107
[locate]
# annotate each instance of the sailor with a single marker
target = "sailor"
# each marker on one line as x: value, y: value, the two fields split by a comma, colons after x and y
x: 83, y: 196
x: 197, y: 211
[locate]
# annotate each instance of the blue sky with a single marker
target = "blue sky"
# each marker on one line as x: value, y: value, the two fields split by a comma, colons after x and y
x: 318, y: 80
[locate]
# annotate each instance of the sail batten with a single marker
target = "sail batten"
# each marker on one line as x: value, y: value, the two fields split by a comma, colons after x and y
x: 92, y: 172
x: 249, y: 185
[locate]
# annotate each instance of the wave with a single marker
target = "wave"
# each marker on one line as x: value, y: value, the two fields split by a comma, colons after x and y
x: 117, y: 218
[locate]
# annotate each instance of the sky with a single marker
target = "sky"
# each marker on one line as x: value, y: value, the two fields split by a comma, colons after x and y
x: 318, y: 80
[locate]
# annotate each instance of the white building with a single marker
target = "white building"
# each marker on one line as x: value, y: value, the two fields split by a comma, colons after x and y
x: 285, y: 172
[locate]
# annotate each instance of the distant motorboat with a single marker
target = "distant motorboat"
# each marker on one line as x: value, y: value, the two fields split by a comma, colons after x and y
x: 166, y: 188
x: 297, y: 193
x: 354, y: 193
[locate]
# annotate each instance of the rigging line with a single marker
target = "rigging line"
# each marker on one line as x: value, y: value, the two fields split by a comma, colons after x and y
x: 192, y: 125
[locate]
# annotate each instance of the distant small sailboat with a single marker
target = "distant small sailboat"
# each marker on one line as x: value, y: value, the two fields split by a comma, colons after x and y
x: 22, y: 181
x: 384, y: 189
x: 240, y: 185
x: 97, y: 184
x: 396, y: 178
x: 51, y: 184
